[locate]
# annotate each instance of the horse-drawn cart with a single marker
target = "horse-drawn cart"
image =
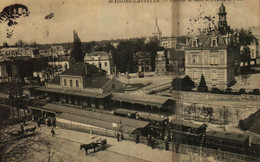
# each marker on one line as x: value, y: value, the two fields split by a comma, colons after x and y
x: 24, y: 130
x: 100, y: 144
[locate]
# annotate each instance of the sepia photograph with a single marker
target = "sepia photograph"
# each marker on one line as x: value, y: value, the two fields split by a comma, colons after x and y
x: 130, y: 80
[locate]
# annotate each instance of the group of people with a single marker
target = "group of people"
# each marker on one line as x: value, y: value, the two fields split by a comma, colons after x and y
x: 151, y: 142
x: 119, y: 136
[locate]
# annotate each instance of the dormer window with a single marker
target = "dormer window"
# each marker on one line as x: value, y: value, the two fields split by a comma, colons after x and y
x: 194, y: 43
x: 214, y: 42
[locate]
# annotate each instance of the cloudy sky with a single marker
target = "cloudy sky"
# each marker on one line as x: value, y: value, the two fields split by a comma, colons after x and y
x: 99, y: 20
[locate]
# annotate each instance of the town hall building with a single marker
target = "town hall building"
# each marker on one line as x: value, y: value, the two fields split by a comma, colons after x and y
x: 214, y: 54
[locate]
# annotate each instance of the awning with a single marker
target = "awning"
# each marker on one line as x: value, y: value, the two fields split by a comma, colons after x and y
x: 94, y: 115
x: 73, y: 92
x: 94, y: 122
x: 144, y: 99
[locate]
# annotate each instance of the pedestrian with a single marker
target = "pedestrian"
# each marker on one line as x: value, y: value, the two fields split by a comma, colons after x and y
x: 91, y: 135
x: 122, y: 136
x: 137, y: 139
x: 153, y: 142
x: 118, y: 136
x: 52, y: 132
x: 148, y: 140
x: 166, y: 144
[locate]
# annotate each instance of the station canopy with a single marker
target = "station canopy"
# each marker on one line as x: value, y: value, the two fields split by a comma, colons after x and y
x: 73, y: 92
x: 144, y: 99
x: 94, y: 118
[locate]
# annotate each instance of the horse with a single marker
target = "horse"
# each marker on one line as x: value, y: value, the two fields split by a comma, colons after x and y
x: 86, y: 147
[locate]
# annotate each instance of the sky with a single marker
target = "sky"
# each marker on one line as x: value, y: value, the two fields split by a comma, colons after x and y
x: 101, y: 20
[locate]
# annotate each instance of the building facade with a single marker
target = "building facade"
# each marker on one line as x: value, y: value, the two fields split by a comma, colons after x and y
x: 142, y: 62
x: 102, y: 60
x: 82, y: 85
x: 160, y: 64
x: 168, y: 42
x: 18, y: 52
x: 214, y: 54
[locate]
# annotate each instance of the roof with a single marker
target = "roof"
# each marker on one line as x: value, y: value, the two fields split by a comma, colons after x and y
x: 125, y: 112
x: 96, y: 82
x: 94, y: 122
x: 73, y: 92
x: 228, y: 136
x: 75, y: 70
x: 103, y: 120
x: 55, y: 80
x: 184, y: 123
x: 204, y: 41
x: 30, y: 86
x: 102, y: 54
x: 145, y: 99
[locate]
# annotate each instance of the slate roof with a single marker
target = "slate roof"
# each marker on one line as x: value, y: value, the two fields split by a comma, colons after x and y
x: 103, y: 55
x: 96, y: 82
x: 204, y: 41
x: 73, y: 92
x: 228, y: 136
x: 75, y: 70
x: 55, y: 80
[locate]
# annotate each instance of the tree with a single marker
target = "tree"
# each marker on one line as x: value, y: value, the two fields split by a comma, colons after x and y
x: 187, y: 83
x: 77, y: 53
x: 246, y: 37
x: 202, y: 86
x: 20, y: 43
x: 224, y: 116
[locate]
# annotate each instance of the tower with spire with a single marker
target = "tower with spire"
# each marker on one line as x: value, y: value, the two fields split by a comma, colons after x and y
x: 223, y: 28
x: 157, y: 32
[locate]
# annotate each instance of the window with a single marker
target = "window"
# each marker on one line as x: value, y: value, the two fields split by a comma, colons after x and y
x: 214, y: 75
x: 71, y: 83
x: 194, y: 59
x: 105, y: 63
x: 214, y: 42
x: 77, y: 83
x: 162, y: 70
x: 214, y: 59
x: 65, y: 82
x: 195, y: 74
x: 157, y: 70
x: 194, y: 43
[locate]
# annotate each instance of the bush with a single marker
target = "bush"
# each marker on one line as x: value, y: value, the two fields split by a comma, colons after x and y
x: 216, y: 90
x: 242, y: 91
x: 242, y: 125
x: 228, y: 91
x: 256, y: 91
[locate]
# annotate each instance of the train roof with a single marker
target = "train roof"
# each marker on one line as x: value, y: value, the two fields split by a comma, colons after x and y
x: 185, y: 123
x: 228, y: 135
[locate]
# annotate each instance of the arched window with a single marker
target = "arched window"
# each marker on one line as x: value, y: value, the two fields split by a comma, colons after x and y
x: 71, y: 84
x: 65, y: 82
x: 77, y: 83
